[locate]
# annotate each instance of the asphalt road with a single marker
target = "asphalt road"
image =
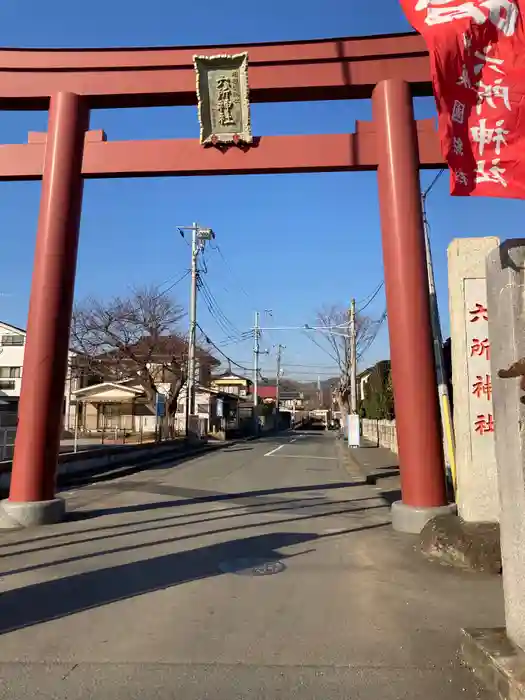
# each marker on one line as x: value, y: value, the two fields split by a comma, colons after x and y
x: 266, y: 570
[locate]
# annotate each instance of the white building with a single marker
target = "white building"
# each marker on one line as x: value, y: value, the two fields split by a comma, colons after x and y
x: 12, y: 349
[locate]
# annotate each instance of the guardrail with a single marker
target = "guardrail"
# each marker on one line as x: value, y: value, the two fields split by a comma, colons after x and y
x: 76, y: 465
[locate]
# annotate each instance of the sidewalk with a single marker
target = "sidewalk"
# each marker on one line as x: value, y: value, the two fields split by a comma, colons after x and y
x: 236, y: 576
x: 378, y: 466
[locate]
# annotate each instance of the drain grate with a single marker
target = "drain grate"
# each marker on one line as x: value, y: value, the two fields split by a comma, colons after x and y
x: 252, y: 567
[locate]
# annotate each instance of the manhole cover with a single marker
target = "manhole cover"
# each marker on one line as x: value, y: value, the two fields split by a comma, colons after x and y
x: 252, y: 567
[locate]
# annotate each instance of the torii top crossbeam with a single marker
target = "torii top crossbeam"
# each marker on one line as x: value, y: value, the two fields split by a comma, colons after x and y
x: 324, y: 69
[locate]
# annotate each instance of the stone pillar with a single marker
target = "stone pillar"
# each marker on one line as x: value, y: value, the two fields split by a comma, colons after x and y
x: 497, y: 656
x: 406, y: 284
x: 506, y: 310
x: 477, y: 494
x: 32, y: 494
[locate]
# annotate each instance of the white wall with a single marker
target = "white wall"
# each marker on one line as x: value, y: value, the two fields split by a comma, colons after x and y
x: 381, y: 432
x: 11, y: 356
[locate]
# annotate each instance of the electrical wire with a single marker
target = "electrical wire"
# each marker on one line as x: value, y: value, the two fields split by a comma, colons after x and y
x: 174, y: 284
x: 313, y: 367
x: 370, y: 299
x: 307, y: 374
x: 210, y: 342
x: 425, y: 193
x: 214, y: 304
x: 372, y: 338
x: 230, y: 268
x: 229, y: 329
x: 245, y: 336
x: 327, y: 352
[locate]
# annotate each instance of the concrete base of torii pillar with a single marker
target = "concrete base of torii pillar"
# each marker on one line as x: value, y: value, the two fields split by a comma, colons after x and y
x: 14, y: 515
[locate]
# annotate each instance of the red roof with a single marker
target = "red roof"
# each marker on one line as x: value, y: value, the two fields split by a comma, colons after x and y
x: 267, y: 392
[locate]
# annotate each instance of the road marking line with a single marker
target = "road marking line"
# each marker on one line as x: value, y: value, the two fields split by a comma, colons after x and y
x: 269, y: 454
x: 293, y: 440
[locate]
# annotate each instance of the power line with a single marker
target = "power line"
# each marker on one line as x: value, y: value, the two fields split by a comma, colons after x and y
x: 214, y: 304
x: 371, y: 298
x: 434, y: 182
x: 230, y: 268
x: 228, y: 328
x: 313, y: 373
x: 174, y: 284
x: 327, y: 352
x: 374, y: 335
x: 230, y: 340
x: 210, y: 342
x: 305, y: 366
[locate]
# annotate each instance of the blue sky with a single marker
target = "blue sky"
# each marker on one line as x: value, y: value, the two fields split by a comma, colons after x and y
x: 295, y: 242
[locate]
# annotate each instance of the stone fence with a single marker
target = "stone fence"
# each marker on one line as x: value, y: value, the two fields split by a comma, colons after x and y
x: 380, y: 432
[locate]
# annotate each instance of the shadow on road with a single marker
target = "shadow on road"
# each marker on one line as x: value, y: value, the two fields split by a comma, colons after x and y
x: 196, y: 496
x: 346, y: 510
x: 51, y: 600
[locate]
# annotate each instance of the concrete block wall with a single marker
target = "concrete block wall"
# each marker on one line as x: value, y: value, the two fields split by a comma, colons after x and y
x: 381, y: 432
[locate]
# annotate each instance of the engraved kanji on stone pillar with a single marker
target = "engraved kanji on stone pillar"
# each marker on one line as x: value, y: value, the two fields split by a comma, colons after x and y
x: 223, y: 100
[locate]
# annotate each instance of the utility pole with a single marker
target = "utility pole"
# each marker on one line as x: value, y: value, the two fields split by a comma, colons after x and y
x: 256, y: 351
x: 353, y: 359
x: 449, y: 447
x: 199, y: 236
x: 280, y: 348
x: 190, y: 393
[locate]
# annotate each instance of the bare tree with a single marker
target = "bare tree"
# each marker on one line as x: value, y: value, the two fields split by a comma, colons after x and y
x: 336, y: 342
x: 136, y: 337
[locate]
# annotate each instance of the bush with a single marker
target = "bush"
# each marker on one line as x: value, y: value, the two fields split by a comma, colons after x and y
x: 378, y: 403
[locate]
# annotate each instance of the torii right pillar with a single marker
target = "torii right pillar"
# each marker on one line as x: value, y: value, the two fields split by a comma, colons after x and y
x: 407, y: 295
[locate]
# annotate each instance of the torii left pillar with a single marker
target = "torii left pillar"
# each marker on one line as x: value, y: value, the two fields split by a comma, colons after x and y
x: 32, y: 498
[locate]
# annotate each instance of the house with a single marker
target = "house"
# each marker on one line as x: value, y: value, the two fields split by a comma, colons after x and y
x: 120, y: 402
x: 233, y: 384
x: 107, y: 406
x: 215, y: 410
x: 12, y: 349
x: 288, y: 400
x: 267, y: 394
x: 291, y: 400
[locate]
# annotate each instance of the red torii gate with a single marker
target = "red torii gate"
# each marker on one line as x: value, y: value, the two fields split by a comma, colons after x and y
x: 389, y: 69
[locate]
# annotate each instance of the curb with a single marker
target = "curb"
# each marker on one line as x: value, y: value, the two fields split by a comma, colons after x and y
x: 85, y: 476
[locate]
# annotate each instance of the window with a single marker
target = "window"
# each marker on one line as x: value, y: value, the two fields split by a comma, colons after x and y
x: 13, y: 340
x: 10, y: 372
x: 6, y: 384
x: 202, y: 408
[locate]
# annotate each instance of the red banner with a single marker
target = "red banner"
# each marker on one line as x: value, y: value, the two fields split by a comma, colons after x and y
x: 477, y: 57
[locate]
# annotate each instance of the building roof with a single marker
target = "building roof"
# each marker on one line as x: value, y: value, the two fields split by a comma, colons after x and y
x: 9, y: 326
x: 231, y: 375
x: 267, y: 392
x: 22, y: 331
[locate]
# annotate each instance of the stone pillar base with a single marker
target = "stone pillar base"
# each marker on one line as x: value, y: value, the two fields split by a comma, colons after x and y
x: 16, y: 515
x: 496, y: 661
x: 473, y: 546
x: 413, y: 519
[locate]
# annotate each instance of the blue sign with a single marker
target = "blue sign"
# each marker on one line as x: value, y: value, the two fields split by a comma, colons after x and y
x: 160, y: 405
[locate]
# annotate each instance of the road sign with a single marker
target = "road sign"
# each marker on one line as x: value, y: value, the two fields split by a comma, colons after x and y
x: 160, y: 405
